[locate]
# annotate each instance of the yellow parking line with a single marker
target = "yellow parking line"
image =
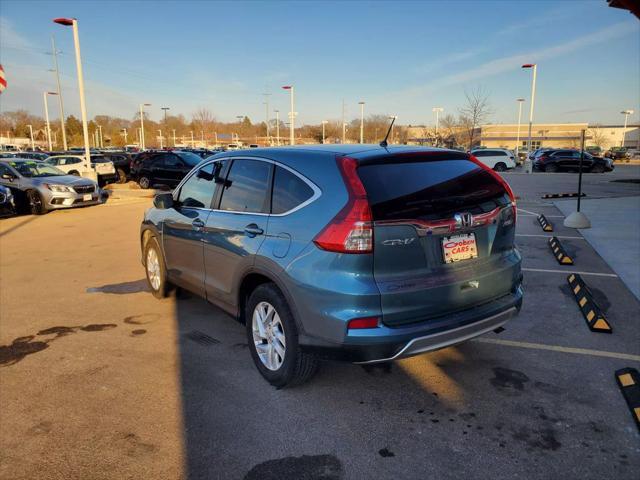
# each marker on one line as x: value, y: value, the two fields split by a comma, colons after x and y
x: 557, y: 348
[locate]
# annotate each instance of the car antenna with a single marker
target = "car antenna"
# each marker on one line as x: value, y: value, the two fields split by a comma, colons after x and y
x: 384, y: 143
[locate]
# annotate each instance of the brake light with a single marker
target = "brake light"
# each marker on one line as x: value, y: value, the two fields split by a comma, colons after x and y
x: 351, y: 230
x: 367, y: 322
x: 502, y: 182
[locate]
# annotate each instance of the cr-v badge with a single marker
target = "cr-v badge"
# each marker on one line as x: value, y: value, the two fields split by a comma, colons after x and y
x: 395, y: 242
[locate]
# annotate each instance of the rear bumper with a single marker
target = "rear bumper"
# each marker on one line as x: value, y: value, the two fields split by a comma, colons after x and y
x: 385, y: 343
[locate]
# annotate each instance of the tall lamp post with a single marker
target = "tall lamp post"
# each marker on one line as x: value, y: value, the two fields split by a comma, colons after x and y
x: 266, y: 103
x: 519, y: 100
x: 142, y: 105
x: 101, y: 138
x: 161, y: 145
x: 361, y: 121
x: 534, y: 67
x: 46, y: 116
x: 33, y: 145
x: 324, y: 122
x: 165, y: 114
x: 292, y: 115
x: 60, y: 103
x: 277, y: 112
x: 72, y: 22
x: 437, y: 111
x: 626, y: 114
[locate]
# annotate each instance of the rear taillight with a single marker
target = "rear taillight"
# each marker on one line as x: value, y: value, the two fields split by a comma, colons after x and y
x: 367, y: 322
x: 502, y: 182
x: 351, y: 230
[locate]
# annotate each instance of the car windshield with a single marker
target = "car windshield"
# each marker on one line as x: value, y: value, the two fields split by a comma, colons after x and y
x: 36, y: 169
x: 190, y: 159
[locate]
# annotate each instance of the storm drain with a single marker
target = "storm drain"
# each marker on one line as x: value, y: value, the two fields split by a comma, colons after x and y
x: 201, y: 338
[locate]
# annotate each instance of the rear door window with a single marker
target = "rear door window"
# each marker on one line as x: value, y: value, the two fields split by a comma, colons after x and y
x: 428, y: 190
x: 246, y: 187
x: 289, y: 191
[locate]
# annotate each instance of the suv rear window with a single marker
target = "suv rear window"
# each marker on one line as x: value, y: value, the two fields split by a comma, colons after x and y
x: 430, y: 190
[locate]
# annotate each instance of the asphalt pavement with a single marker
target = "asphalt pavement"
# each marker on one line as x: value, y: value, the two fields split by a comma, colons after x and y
x: 100, y: 380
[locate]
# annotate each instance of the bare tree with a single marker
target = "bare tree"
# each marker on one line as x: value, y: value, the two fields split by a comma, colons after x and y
x: 598, y: 137
x: 474, y: 113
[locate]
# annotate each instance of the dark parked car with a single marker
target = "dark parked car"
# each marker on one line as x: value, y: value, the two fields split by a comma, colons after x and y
x: 569, y: 160
x: 122, y: 163
x: 355, y: 252
x: 7, y: 202
x: 164, y: 168
x: 619, y: 153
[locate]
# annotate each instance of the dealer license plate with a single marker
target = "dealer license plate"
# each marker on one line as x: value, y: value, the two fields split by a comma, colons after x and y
x: 459, y: 247
x: 87, y: 197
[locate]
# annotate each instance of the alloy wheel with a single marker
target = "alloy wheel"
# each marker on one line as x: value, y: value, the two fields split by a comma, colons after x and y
x: 153, y: 268
x: 268, y: 335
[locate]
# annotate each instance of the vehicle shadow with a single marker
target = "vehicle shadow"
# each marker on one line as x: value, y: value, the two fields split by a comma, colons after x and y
x: 27, y: 219
x: 348, y: 421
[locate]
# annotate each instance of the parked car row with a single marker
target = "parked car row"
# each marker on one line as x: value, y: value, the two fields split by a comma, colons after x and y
x: 555, y: 160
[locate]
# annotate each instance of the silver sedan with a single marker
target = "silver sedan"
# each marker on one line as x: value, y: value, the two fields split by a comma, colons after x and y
x: 41, y: 187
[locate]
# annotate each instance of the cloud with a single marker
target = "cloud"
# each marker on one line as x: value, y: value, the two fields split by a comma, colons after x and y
x: 513, y: 62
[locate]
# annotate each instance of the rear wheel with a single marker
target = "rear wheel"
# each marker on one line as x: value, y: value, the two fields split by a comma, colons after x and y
x: 273, y: 339
x: 35, y: 203
x: 551, y: 168
x: 144, y: 182
x: 597, y: 169
x: 74, y: 172
x: 155, y: 269
x: 500, y: 167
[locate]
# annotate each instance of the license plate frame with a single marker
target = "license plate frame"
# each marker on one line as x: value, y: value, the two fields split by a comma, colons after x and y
x: 87, y: 197
x: 460, y: 247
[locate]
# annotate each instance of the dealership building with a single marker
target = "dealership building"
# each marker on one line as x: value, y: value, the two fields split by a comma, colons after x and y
x: 559, y: 135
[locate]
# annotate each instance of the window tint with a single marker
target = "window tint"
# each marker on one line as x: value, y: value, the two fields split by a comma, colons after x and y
x: 171, y: 161
x: 199, y: 189
x: 480, y: 153
x: 246, y: 187
x: 189, y: 158
x: 429, y: 190
x: 289, y: 191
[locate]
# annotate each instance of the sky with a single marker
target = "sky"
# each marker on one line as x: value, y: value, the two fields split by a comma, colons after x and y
x: 400, y: 58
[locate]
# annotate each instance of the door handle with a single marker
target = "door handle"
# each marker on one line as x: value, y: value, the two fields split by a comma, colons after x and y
x: 252, y: 230
x: 197, y: 224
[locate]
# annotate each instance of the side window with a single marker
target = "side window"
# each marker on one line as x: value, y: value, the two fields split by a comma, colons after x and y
x: 500, y: 153
x: 289, y: 191
x: 6, y: 170
x: 479, y: 153
x: 246, y: 187
x: 73, y: 160
x: 199, y: 189
x: 172, y: 161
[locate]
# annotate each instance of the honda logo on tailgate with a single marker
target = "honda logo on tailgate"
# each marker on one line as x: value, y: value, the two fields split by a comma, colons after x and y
x: 463, y: 220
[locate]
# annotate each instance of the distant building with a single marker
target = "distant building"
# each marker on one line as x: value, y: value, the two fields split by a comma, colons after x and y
x: 559, y: 135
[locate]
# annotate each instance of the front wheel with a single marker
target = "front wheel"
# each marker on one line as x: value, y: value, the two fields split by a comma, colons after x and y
x: 122, y: 176
x: 500, y: 167
x: 552, y: 168
x: 597, y: 169
x: 35, y: 203
x: 144, y: 182
x: 273, y: 339
x: 155, y: 269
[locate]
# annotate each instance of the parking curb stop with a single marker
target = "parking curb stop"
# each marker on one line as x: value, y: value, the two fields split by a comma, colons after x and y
x: 628, y: 380
x: 590, y: 310
x: 544, y: 223
x: 559, y: 252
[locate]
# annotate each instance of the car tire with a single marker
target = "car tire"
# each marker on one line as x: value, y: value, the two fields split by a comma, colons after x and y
x: 500, y: 167
x: 281, y: 363
x: 155, y: 269
x: 551, y: 168
x: 144, y: 182
x: 597, y: 169
x: 35, y: 203
x: 122, y: 176
x: 74, y: 172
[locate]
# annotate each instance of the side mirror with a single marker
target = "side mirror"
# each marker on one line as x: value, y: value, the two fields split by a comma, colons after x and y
x: 8, y: 176
x: 163, y: 201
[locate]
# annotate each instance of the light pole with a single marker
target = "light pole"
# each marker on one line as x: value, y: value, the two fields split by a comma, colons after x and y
x: 361, y: 121
x: 124, y: 130
x: 192, y: 142
x: 174, y: 137
x: 46, y: 116
x: 60, y: 103
x: 344, y: 124
x: 626, y: 114
x: 100, y: 136
x: 33, y: 145
x: 519, y: 100
x: 324, y: 122
x: 165, y: 114
x: 292, y: 116
x: 527, y: 162
x: 72, y: 22
x: 266, y: 102
x: 437, y: 111
x: 161, y: 145
x: 277, y: 112
x: 142, y: 105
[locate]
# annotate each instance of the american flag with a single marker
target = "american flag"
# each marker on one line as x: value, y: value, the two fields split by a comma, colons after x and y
x: 3, y: 81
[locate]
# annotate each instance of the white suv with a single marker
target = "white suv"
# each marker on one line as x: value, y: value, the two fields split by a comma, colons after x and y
x: 72, y: 164
x: 500, y: 159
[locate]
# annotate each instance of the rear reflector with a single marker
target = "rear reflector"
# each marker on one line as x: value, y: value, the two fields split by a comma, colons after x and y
x: 368, y: 322
x: 351, y: 230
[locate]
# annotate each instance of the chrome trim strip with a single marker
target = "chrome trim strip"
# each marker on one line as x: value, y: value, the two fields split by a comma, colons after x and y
x: 495, y: 321
x: 316, y: 190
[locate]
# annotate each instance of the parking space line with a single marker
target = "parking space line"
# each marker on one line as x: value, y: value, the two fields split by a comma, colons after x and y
x: 568, y: 272
x: 527, y: 213
x: 548, y: 236
x: 557, y: 348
